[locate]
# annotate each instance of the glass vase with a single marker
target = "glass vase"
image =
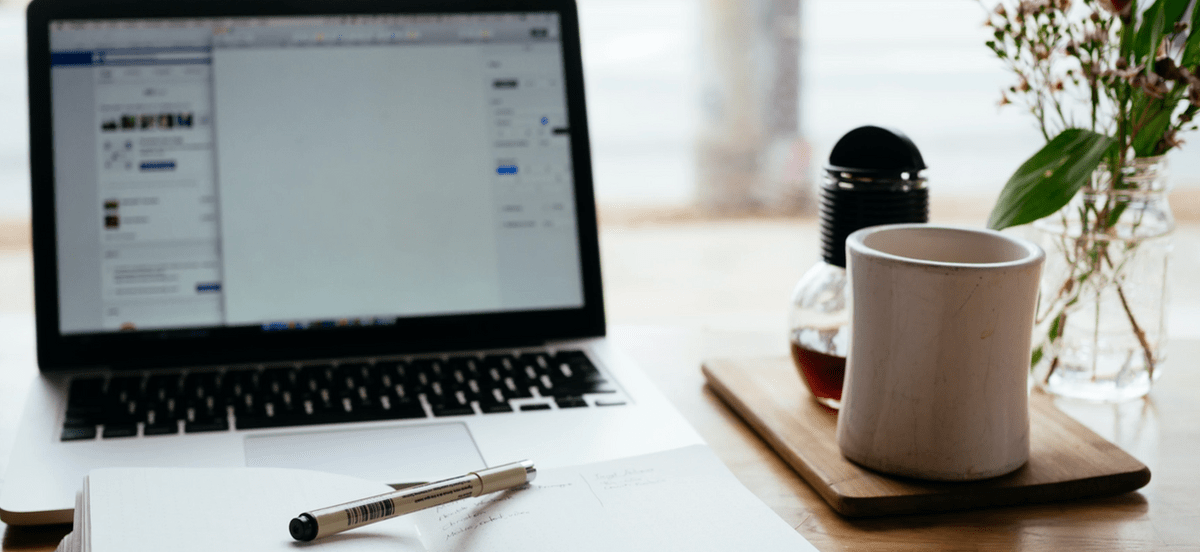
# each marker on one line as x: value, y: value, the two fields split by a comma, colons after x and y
x: 1101, y: 319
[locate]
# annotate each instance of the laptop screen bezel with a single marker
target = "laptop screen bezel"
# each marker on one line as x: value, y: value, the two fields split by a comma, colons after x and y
x: 214, y: 345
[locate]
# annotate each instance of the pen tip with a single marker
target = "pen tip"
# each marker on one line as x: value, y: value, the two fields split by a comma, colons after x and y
x: 303, y: 528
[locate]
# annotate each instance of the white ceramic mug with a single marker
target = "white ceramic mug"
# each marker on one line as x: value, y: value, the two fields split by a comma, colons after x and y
x: 936, y: 376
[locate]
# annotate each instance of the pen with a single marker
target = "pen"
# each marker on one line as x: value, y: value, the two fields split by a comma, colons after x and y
x: 335, y: 519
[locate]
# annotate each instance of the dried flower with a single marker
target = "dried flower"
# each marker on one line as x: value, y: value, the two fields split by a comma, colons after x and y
x: 1170, y: 140
x: 1119, y: 7
x: 1096, y: 37
x: 1152, y: 84
x: 1168, y: 70
x: 1030, y: 7
x: 1060, y: 51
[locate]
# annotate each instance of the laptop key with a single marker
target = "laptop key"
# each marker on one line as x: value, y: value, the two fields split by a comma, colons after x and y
x: 234, y: 383
x: 84, y: 389
x: 450, y: 404
x: 494, y: 401
x: 161, y: 429
x: 580, y: 388
x: 276, y: 412
x: 173, y: 410
x: 161, y: 387
x: 78, y: 421
x: 392, y: 407
x: 202, y: 425
x: 514, y: 389
x: 78, y: 433
x: 199, y: 385
x: 85, y: 398
x: 123, y: 388
x: 540, y: 361
x: 528, y: 407
x: 167, y: 427
x: 317, y: 376
x: 259, y: 422
x: 453, y: 410
x: 465, y: 368
x: 494, y: 407
x: 119, y: 430
x: 155, y: 423
x: 570, y: 401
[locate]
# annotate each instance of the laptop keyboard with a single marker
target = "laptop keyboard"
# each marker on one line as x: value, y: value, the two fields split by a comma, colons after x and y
x: 293, y: 395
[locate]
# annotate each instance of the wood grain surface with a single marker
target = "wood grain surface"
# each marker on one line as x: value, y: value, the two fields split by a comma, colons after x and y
x: 1067, y: 460
x: 680, y: 293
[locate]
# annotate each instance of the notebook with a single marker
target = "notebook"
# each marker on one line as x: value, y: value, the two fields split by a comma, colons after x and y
x: 349, y: 236
x: 683, y: 499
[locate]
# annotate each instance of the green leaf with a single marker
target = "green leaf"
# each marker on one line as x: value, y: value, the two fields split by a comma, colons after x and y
x: 1191, y: 51
x: 1152, y: 117
x: 1173, y: 12
x: 1149, y: 35
x: 1127, y: 32
x: 1159, y: 113
x: 1115, y: 214
x: 1049, y: 179
x: 1165, y: 13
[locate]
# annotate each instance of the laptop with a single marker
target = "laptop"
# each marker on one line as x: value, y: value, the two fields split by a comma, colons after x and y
x: 357, y: 236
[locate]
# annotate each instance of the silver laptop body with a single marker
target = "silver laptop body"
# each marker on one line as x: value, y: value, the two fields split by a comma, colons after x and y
x: 353, y: 236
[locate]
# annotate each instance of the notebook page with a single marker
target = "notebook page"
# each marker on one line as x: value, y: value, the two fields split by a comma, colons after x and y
x: 203, y: 510
x: 72, y: 542
x: 684, y: 499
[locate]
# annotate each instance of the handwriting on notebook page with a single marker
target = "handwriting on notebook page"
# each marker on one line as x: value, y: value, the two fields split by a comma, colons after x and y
x: 676, y: 500
x: 550, y: 508
x: 459, y: 518
x: 629, y: 477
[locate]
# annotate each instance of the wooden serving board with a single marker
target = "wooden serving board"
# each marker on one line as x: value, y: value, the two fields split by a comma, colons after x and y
x: 1067, y: 460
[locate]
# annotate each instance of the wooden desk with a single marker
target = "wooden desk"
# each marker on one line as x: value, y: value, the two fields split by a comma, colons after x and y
x: 1161, y: 432
x: 680, y: 293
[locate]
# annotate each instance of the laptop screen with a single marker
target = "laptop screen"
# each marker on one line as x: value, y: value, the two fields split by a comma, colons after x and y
x: 302, y: 172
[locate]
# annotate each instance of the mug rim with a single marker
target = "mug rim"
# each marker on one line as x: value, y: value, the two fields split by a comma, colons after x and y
x: 855, y: 244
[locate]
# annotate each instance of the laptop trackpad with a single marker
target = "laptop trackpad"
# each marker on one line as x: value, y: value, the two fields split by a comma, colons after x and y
x: 406, y: 454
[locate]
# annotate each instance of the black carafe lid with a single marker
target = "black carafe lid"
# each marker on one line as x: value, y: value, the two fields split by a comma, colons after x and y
x: 875, y: 152
x: 873, y: 179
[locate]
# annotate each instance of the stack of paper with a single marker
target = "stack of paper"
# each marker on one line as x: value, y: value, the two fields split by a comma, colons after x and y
x: 677, y: 500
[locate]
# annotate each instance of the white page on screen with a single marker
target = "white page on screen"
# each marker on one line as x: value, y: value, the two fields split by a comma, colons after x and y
x: 361, y: 172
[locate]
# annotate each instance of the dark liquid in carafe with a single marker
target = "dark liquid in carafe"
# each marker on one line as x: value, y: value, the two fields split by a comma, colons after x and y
x: 822, y: 373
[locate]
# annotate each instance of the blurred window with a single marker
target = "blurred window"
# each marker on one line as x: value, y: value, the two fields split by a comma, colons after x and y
x: 918, y: 65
